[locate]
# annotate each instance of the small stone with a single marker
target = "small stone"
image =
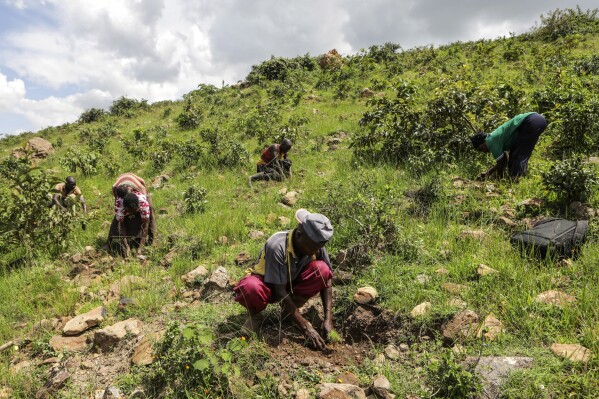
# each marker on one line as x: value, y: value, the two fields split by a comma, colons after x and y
x: 404, y: 347
x: 340, y: 391
x: 442, y: 271
x: 341, y: 257
x: 532, y: 203
x: 391, y: 352
x: 421, y: 310
x: 17, y: 368
x: 143, y: 353
x: 554, y: 297
x: 572, y: 352
x: 490, y: 328
x: 82, y: 322
x: 58, y: 343
x: 381, y: 387
x: 256, y: 234
x: 113, y: 393
x: 58, y: 378
x: 242, y: 258
x: 90, y: 251
x: 456, y: 303
x: 506, y: 222
x: 6, y: 393
x: 348, y: 378
x: 365, y: 295
x: 290, y: 198
x: 379, y: 360
x: 283, y: 191
x: 107, y: 337
x: 422, y: 278
x: 342, y: 277
x: 484, y: 270
x: 453, y: 288
x: 87, y: 365
x: 195, y: 276
x: 463, y: 325
x: 302, y: 394
x: 284, y: 221
x: 223, y: 240
x: 219, y: 279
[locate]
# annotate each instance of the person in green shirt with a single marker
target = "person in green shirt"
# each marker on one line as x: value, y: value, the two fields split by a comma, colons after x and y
x: 511, y: 144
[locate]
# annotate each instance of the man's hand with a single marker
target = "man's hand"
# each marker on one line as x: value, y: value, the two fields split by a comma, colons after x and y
x: 314, y: 338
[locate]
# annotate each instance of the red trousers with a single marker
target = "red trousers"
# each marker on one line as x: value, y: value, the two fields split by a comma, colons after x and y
x: 254, y: 294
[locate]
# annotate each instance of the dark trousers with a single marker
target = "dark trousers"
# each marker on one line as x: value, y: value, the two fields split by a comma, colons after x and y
x: 527, y: 136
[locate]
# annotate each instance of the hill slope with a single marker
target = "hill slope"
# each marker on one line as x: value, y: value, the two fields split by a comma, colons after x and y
x: 381, y: 147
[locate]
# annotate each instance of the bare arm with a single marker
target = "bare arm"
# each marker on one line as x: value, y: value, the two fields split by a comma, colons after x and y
x: 497, y: 168
x: 56, y: 200
x: 304, y: 325
x: 326, y: 296
x: 82, y: 200
x: 143, y: 235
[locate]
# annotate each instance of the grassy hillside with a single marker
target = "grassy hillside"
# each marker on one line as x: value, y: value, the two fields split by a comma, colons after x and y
x: 380, y: 146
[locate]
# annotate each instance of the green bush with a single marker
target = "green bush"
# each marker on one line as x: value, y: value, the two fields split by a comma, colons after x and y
x: 28, y: 226
x: 190, y: 117
x: 569, y: 180
x: 86, y: 162
x: 195, y: 200
x: 127, y: 106
x: 91, y: 115
x: 187, y: 360
x: 562, y: 23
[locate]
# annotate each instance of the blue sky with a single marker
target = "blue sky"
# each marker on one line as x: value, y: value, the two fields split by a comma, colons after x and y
x: 60, y: 57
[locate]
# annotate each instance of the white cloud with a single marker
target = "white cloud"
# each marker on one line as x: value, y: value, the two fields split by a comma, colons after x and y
x: 11, y: 92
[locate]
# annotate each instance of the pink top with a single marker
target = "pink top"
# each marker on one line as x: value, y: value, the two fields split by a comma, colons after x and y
x: 144, y: 207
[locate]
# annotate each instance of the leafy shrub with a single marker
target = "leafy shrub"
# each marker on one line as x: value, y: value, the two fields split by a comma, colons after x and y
x: 562, y: 23
x: 127, y: 106
x: 87, y: 162
x: 587, y: 66
x: 234, y: 154
x: 187, y: 360
x: 569, y: 180
x: 383, y: 53
x: 28, y: 226
x: 278, y: 68
x: 195, y: 200
x: 450, y: 379
x: 575, y: 127
x: 91, y: 115
x: 190, y: 152
x: 259, y: 122
x: 190, y: 117
x: 138, y: 144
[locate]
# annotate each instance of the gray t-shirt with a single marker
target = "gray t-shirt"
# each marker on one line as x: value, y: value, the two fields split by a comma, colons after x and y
x: 275, y: 253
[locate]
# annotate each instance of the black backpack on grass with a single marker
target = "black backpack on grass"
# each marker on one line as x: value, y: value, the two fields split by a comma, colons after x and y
x: 558, y: 237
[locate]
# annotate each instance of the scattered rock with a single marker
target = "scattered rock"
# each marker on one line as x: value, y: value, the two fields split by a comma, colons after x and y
x: 404, y: 347
x: 532, y: 203
x: 90, y: 251
x: 58, y: 378
x: 442, y: 271
x: 593, y: 160
x: 195, y: 276
x: 572, y: 352
x: 340, y: 391
x: 6, y: 346
x: 490, y: 328
x: 242, y: 258
x: 143, y: 353
x: 366, y: 93
x: 330, y: 60
x: 284, y: 221
x: 76, y: 258
x: 69, y: 344
x: 126, y: 283
x: 391, y: 352
x: 223, y: 240
x: 282, y: 191
x: 454, y: 288
x: 342, y: 277
x: 347, y: 378
x: 494, y: 371
x: 5, y: 393
x: 473, y: 234
x: 463, y: 325
x: 218, y: 280
x: 17, y: 368
x: 159, y: 181
x: 82, y: 322
x: 113, y: 393
x: 554, y: 297
x: 256, y: 234
x: 581, y: 211
x: 302, y: 394
x: 421, y: 310
x: 341, y: 257
x: 167, y: 261
x: 107, y: 337
x: 365, y: 295
x: 291, y: 198
x: 484, y: 270
x: 125, y: 303
x: 40, y: 147
x: 506, y: 222
x: 381, y: 387
x: 422, y: 278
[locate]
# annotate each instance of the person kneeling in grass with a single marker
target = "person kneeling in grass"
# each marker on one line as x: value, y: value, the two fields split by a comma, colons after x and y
x: 273, y: 163
x: 511, y: 144
x: 293, y: 266
x: 68, y: 194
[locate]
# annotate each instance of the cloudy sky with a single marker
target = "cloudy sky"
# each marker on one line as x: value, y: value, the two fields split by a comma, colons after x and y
x: 60, y: 57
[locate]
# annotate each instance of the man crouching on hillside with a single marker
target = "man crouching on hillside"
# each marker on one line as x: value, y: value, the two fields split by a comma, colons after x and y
x: 293, y: 267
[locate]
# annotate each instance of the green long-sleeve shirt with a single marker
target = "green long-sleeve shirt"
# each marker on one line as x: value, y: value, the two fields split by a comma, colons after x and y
x: 502, y: 138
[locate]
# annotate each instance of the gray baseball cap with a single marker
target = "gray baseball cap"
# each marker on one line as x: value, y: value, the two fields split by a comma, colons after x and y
x: 316, y: 226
